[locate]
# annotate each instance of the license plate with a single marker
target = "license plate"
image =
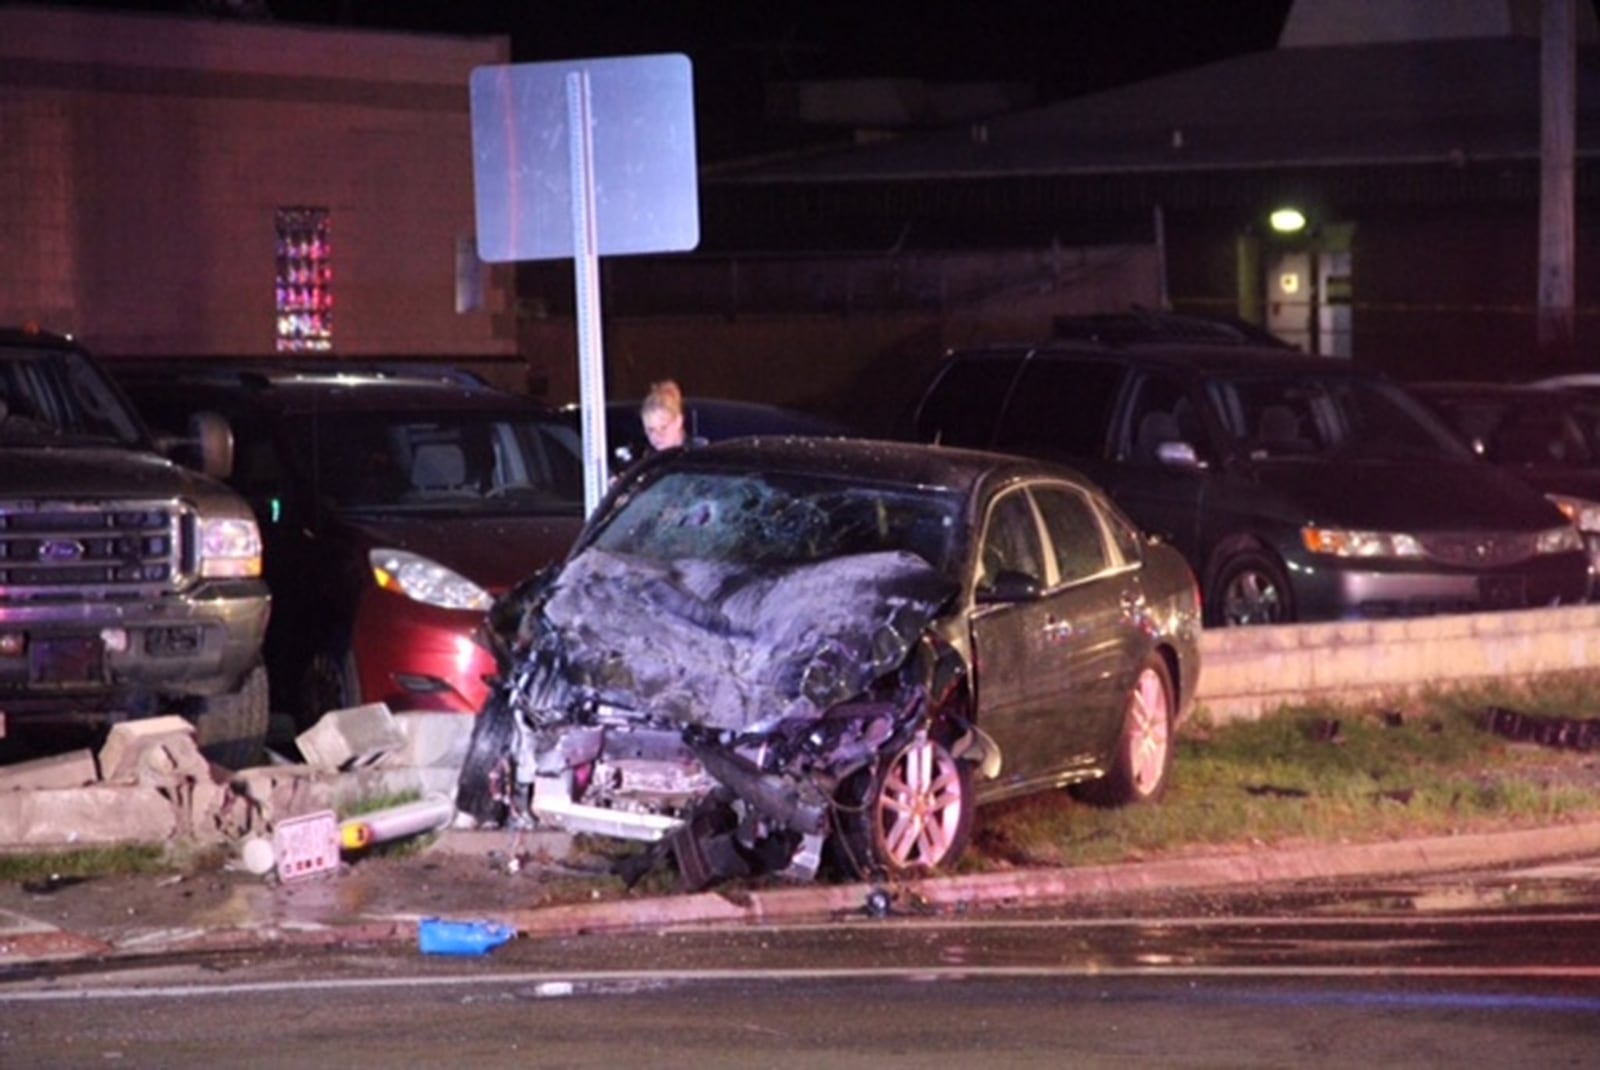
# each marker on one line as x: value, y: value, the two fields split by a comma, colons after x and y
x: 1501, y: 592
x: 72, y: 659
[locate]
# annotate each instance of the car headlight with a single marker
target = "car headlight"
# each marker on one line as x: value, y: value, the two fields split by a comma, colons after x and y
x: 1584, y: 513
x: 425, y: 580
x: 1561, y: 540
x: 230, y: 547
x: 1338, y: 542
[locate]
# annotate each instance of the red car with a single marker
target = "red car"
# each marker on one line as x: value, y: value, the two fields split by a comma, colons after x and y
x: 395, y: 505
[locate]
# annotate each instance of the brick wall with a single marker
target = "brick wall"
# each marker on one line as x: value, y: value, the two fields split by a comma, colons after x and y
x: 143, y: 159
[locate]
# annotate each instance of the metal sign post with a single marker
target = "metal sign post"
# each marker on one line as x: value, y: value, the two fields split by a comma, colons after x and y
x: 586, y: 282
x: 585, y: 158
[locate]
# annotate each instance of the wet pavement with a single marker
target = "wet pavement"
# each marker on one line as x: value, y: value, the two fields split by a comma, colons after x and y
x: 538, y: 886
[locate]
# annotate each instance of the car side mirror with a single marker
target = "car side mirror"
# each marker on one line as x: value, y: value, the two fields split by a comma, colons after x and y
x: 1009, y: 585
x: 214, y: 439
x: 207, y: 449
x: 1178, y: 455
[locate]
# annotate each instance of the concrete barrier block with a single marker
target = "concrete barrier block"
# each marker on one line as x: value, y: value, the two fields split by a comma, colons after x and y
x: 274, y: 792
x: 97, y: 815
x: 357, y: 735
x: 128, y: 742
x: 71, y: 770
x: 431, y: 740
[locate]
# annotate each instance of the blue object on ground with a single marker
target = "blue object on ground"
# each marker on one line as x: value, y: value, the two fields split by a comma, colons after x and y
x: 438, y: 937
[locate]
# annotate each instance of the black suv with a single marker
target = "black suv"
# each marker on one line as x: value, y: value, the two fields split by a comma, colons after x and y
x: 1298, y: 487
x: 129, y: 585
x: 396, y: 502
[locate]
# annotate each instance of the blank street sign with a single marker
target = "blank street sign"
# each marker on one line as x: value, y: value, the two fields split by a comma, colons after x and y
x: 645, y: 175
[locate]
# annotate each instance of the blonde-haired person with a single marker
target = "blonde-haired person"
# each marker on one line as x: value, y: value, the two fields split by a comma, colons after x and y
x: 661, y: 412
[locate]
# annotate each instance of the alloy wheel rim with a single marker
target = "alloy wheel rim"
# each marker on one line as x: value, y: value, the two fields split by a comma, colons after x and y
x: 920, y: 806
x: 1148, y: 732
x: 1252, y: 598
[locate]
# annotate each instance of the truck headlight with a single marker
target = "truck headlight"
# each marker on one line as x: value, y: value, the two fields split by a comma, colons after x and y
x: 230, y: 548
x: 425, y: 580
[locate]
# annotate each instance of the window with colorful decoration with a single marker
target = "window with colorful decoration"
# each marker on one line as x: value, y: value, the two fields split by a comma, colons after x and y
x: 305, y: 281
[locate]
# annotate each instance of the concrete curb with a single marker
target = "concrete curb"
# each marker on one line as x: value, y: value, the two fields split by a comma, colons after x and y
x: 1050, y: 886
x: 1033, y: 887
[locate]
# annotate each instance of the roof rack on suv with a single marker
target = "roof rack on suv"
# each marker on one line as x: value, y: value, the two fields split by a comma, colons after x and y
x: 1143, y: 325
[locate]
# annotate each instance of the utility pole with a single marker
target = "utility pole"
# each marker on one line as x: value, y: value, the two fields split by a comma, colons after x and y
x: 1558, y: 83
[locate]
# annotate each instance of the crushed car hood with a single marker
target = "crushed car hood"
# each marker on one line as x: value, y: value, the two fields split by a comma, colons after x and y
x: 731, y: 647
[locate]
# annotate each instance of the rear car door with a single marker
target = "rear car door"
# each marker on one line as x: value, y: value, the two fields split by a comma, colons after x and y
x: 1043, y: 666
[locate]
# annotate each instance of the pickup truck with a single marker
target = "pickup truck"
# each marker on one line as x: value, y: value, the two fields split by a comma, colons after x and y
x: 130, y: 583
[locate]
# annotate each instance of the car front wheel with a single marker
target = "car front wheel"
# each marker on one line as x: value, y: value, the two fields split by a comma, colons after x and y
x: 911, y: 814
x: 1139, y: 769
x: 330, y: 683
x: 1250, y: 587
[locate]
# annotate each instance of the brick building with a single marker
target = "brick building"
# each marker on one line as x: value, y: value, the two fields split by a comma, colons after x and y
x: 196, y: 186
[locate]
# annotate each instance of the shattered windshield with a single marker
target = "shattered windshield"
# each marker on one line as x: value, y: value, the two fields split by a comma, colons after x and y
x: 749, y: 518
x: 441, y: 462
x: 1301, y: 415
x: 57, y: 396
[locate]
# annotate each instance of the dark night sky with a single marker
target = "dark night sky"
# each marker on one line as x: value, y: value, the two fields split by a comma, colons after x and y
x: 1059, y: 48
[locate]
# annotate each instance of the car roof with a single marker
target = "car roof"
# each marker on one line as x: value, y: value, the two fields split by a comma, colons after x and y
x: 1519, y: 392
x: 872, y: 460
x: 289, y: 389
x: 1180, y: 356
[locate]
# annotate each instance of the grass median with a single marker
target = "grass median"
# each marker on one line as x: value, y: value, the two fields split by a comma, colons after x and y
x: 1436, y: 763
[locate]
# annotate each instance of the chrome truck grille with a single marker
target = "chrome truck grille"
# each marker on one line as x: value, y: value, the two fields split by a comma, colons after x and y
x: 62, y: 551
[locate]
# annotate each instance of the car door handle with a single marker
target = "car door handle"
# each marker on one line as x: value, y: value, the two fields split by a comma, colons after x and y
x: 1057, y: 631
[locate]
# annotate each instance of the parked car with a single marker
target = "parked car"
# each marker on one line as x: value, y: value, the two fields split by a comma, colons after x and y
x: 129, y: 585
x: 708, y: 420
x: 395, y: 505
x: 1543, y: 436
x: 1298, y: 488
x: 771, y: 653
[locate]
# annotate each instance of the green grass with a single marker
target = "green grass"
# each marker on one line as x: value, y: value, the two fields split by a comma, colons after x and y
x: 1428, y: 766
x: 47, y: 867
x: 1425, y: 766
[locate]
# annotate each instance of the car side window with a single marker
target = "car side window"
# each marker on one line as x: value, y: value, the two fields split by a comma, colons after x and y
x: 1161, y: 412
x: 1061, y: 408
x: 1011, y: 541
x: 1076, y: 535
x: 963, y: 405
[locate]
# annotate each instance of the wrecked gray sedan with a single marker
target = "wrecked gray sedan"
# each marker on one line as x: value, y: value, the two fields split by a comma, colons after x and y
x: 793, y: 656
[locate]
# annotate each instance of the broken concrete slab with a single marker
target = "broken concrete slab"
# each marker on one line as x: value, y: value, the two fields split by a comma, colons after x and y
x: 96, y: 815
x: 356, y: 735
x: 432, y: 740
x: 131, y: 745
x: 277, y: 792
x: 71, y: 770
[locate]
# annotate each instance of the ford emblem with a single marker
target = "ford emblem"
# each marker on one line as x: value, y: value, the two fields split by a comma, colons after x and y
x: 60, y: 550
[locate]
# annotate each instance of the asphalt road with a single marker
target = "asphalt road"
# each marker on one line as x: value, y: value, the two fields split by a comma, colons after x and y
x: 1499, y: 966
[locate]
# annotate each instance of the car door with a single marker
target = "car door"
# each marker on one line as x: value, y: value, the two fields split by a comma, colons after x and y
x: 1163, y: 467
x: 1099, y: 598
x: 1030, y: 634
